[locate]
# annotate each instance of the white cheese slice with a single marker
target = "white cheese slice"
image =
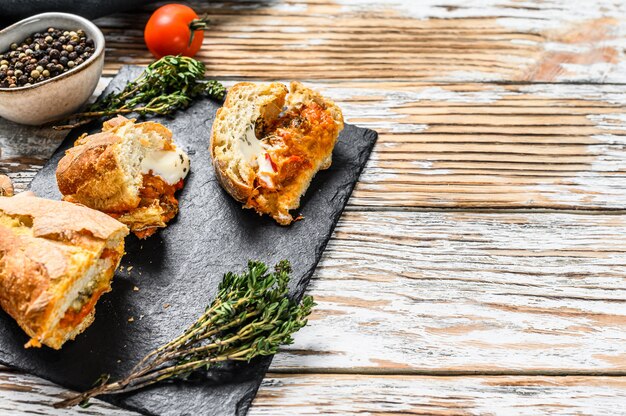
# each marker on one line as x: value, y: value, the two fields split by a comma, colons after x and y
x: 249, y: 145
x: 170, y: 165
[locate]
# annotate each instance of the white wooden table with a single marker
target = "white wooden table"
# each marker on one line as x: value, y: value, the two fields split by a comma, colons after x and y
x: 480, y: 266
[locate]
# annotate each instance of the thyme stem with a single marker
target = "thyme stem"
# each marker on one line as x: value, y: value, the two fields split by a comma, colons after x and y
x: 251, y: 316
x: 165, y: 86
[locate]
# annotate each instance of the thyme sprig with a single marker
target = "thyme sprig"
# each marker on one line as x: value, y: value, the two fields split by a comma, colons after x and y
x: 168, y: 84
x: 251, y: 316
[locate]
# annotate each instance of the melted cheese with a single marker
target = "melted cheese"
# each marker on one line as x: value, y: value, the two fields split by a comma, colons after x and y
x: 250, y: 146
x: 171, y: 165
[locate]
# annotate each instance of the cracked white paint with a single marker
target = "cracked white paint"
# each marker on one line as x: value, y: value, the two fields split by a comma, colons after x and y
x: 462, y: 290
x: 319, y: 394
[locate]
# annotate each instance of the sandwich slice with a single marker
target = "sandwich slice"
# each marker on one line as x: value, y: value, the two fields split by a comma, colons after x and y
x: 56, y: 260
x: 268, y: 143
x: 130, y: 171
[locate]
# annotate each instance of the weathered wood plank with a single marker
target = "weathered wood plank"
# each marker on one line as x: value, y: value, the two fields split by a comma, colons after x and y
x: 462, y: 291
x: 330, y: 394
x: 452, y: 40
x: 318, y: 394
x: 25, y: 394
x: 472, y: 292
x: 459, y: 146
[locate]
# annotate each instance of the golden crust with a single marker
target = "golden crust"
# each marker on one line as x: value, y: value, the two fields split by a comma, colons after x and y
x: 271, y: 99
x: 6, y: 186
x: 91, y: 173
x: 45, y: 246
x: 236, y: 188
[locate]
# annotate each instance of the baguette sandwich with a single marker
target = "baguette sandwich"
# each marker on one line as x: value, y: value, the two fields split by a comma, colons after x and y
x: 130, y: 171
x: 56, y: 260
x: 268, y: 143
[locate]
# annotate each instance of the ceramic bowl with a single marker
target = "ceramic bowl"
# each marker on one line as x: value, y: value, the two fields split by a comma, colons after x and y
x: 58, y: 96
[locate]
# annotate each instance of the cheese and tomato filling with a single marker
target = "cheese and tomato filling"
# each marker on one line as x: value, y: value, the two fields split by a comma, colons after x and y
x: 87, y: 298
x: 163, y: 173
x: 293, y: 143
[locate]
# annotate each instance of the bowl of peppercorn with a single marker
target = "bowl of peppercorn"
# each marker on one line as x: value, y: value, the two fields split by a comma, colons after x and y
x: 50, y: 64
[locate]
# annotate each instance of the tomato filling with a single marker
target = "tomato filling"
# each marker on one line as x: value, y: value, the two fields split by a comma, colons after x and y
x: 296, y: 139
x: 74, y: 317
x: 156, y: 189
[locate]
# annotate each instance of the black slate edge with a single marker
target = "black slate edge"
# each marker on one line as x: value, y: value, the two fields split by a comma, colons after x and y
x: 233, y: 389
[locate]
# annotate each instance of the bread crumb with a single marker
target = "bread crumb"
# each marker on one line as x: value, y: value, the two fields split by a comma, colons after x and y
x: 166, y: 305
x: 129, y: 268
x: 136, y: 289
x: 131, y: 319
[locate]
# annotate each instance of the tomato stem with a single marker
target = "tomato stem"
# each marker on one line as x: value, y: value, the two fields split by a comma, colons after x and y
x: 197, y: 24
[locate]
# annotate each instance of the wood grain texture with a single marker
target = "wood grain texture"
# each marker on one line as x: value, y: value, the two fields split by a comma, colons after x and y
x: 435, y: 292
x: 493, y: 104
x: 281, y: 394
x: 25, y: 394
x: 457, y: 146
x: 334, y: 394
x: 452, y: 40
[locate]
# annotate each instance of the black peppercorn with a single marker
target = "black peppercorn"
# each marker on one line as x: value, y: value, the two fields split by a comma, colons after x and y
x: 43, y: 55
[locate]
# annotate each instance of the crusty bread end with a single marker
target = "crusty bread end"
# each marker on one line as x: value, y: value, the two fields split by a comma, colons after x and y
x: 103, y: 171
x: 267, y: 144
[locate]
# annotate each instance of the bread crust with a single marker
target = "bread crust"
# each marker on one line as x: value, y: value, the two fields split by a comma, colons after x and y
x: 45, y: 246
x: 6, y: 186
x: 90, y: 173
x: 93, y: 173
x: 228, y: 168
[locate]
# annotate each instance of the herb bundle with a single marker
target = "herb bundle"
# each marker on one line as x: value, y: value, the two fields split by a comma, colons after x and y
x: 251, y: 316
x: 168, y: 84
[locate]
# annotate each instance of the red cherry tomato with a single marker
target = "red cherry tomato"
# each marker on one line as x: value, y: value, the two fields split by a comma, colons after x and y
x: 169, y: 30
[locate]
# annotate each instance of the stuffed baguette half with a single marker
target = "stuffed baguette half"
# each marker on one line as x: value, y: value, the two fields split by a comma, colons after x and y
x: 130, y: 171
x: 56, y: 260
x: 268, y: 143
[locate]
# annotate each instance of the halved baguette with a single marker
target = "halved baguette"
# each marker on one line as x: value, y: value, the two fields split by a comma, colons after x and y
x: 268, y: 144
x: 129, y: 171
x: 56, y: 260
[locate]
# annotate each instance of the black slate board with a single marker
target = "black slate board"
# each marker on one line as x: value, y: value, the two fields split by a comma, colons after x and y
x: 182, y: 266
